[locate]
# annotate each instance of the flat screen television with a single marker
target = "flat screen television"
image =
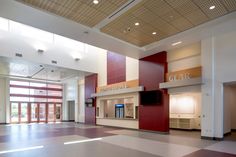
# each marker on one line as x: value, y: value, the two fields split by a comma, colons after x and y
x: 151, y: 97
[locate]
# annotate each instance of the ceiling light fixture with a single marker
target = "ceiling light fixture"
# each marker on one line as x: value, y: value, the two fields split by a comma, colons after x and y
x: 136, y: 24
x: 212, y: 7
x: 154, y: 33
x: 177, y: 43
x: 95, y: 1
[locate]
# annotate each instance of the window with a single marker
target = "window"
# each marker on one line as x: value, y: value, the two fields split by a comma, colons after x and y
x: 27, y: 91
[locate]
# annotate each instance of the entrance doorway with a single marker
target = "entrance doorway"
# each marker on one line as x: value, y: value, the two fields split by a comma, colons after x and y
x: 229, y: 100
x: 22, y: 112
x: 19, y: 112
x: 35, y: 102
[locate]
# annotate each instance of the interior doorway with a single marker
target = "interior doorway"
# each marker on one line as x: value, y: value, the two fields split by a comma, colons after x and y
x: 229, y: 100
x: 71, y: 110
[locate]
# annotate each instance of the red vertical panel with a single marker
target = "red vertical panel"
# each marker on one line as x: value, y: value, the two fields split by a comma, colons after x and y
x: 152, y: 71
x: 90, y: 87
x: 116, y: 68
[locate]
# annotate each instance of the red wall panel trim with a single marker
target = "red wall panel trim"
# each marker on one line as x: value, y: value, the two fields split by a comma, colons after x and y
x: 116, y: 68
x: 32, y: 87
x: 90, y: 87
x: 152, y: 71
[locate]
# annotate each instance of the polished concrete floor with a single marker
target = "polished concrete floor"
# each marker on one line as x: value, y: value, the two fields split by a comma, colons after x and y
x: 73, y: 140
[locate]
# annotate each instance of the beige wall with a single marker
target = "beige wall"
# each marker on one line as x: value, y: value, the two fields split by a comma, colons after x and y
x: 184, y: 57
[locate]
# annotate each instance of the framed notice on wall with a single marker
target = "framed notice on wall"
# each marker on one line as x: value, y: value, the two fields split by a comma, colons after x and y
x: 182, y: 104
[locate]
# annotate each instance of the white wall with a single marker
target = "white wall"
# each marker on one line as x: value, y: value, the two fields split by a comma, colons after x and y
x: 132, y: 69
x: 81, y: 108
x: 218, y: 61
x: 2, y: 100
x: 70, y: 93
x: 102, y: 69
x: 63, y: 53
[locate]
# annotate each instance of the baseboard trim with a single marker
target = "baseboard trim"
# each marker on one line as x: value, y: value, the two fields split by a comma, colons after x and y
x: 116, y: 127
x: 228, y: 133
x: 4, y: 123
x: 68, y: 121
x: 185, y: 129
x: 158, y: 132
x: 212, y: 138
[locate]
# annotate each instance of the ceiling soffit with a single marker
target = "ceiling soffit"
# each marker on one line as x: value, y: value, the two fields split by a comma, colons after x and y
x: 81, y: 11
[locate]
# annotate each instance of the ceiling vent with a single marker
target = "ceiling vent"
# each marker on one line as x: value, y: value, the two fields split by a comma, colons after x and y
x: 18, y: 55
x: 54, y: 62
x: 121, y: 9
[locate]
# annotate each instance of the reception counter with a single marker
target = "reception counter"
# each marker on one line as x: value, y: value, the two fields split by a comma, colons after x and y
x: 116, y: 122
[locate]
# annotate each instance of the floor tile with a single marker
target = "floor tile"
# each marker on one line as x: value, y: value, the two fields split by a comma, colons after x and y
x: 209, y: 153
x: 90, y: 149
x: 150, y: 146
x: 174, y: 139
x: 224, y: 146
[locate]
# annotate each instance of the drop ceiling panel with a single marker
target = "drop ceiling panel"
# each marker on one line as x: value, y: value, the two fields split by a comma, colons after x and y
x: 229, y: 4
x: 81, y: 11
x: 166, y: 17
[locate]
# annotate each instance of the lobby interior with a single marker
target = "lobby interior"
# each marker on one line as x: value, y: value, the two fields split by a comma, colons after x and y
x: 148, y: 78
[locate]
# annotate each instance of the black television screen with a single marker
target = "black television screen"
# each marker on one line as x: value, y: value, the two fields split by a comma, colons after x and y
x: 151, y: 97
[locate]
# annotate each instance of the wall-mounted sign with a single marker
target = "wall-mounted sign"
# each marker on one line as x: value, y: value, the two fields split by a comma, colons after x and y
x: 116, y: 86
x: 184, y: 74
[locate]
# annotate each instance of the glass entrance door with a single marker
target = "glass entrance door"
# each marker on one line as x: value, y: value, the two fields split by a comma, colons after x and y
x: 23, y: 112
x: 58, y: 112
x: 42, y: 112
x: 34, y: 112
x: 15, y: 113
x: 51, y: 112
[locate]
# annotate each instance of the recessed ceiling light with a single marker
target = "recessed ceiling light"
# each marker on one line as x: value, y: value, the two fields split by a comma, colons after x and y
x: 177, y: 43
x: 212, y: 7
x: 154, y: 33
x: 136, y: 24
x: 95, y: 1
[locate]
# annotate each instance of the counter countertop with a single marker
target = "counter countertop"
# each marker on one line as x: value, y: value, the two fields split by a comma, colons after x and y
x: 117, y: 118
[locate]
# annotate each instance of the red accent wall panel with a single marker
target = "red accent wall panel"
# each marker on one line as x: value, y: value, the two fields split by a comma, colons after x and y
x: 116, y: 68
x: 152, y: 71
x: 90, y: 87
